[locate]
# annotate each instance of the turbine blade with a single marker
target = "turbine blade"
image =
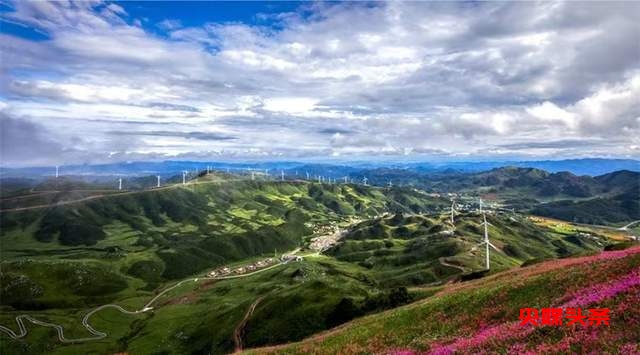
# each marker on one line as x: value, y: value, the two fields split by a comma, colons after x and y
x: 493, y: 246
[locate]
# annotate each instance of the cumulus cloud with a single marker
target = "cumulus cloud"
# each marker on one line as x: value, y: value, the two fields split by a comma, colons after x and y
x: 345, y: 79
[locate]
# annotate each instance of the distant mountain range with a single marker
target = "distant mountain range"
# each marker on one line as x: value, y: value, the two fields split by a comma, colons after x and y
x: 591, y: 167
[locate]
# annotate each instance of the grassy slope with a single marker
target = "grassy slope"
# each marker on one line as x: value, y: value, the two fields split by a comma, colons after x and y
x: 418, y: 250
x: 153, y: 237
x: 482, y: 315
x: 214, y: 224
x: 164, y: 235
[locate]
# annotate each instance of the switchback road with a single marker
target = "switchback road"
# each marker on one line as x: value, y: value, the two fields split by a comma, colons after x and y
x: 101, y: 335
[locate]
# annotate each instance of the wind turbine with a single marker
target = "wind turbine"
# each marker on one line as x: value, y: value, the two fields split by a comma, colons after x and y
x: 253, y: 175
x: 120, y: 184
x: 364, y: 180
x: 184, y: 177
x: 390, y: 184
x: 307, y: 175
x: 56, y: 171
x: 282, y: 175
x: 158, y: 185
x: 346, y: 179
x: 266, y: 173
x: 453, y: 211
x: 486, y: 241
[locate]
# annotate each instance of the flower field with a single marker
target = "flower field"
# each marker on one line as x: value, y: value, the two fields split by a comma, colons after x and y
x: 482, y: 316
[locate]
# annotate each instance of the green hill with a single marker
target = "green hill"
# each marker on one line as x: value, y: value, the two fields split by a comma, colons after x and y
x: 516, y: 183
x: 59, y: 262
x: 620, y: 208
x: 482, y: 316
x: 413, y: 250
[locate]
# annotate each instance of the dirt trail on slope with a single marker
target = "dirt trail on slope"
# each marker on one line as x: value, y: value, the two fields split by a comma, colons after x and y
x: 444, y: 262
x: 239, y: 331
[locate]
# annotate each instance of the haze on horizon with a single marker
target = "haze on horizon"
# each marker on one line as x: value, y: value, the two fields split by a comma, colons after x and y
x: 118, y: 81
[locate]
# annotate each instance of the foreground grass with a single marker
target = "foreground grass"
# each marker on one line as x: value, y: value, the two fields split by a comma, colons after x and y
x: 479, y: 316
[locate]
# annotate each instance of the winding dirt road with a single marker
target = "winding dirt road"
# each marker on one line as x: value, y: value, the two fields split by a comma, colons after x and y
x: 101, y: 335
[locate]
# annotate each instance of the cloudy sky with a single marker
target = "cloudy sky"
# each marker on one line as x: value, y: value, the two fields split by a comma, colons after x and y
x: 112, y: 81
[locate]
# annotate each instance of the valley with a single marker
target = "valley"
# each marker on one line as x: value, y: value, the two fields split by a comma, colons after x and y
x: 224, y: 262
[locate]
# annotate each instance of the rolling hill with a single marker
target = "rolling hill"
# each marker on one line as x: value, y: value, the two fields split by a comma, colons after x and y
x: 62, y: 260
x: 412, y: 250
x: 482, y: 316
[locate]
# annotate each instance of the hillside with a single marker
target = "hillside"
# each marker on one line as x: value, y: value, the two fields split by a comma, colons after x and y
x: 616, y: 209
x: 61, y: 261
x: 482, y: 316
x: 417, y: 249
x: 516, y: 182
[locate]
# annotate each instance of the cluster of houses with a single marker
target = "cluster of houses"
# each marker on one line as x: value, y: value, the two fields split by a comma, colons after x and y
x: 241, y: 269
x: 324, y: 229
x: 289, y: 257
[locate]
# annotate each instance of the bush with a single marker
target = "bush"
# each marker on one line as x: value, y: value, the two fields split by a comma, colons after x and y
x: 76, y: 234
x: 620, y: 246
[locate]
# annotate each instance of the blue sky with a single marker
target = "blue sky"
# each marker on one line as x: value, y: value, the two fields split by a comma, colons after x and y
x: 110, y: 81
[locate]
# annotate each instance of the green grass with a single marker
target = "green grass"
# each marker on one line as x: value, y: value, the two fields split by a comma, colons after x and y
x: 461, y: 311
x: 149, y: 239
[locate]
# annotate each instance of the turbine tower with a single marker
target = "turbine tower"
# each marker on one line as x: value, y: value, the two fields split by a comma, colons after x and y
x: 184, y: 177
x: 158, y: 184
x: 390, y: 184
x: 120, y: 184
x: 282, y: 175
x: 253, y: 175
x: 307, y: 175
x: 486, y: 241
x: 453, y: 211
x: 364, y: 180
x: 56, y: 171
x: 346, y: 179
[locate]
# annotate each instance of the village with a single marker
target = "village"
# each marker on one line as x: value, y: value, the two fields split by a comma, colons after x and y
x: 224, y: 271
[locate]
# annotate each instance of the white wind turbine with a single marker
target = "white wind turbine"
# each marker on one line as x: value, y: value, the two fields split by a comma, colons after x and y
x: 282, y: 175
x: 364, y: 180
x: 56, y: 171
x: 158, y: 185
x: 453, y: 211
x: 486, y: 241
x: 184, y: 177
x: 307, y: 175
x: 120, y: 184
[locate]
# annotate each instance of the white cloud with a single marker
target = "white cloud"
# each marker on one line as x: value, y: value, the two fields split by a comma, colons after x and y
x: 344, y: 79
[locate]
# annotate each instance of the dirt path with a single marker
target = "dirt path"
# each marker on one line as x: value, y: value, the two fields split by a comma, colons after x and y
x: 148, y: 307
x: 444, y: 262
x: 239, y: 331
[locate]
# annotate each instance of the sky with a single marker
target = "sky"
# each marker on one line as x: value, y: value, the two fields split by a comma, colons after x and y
x: 98, y: 82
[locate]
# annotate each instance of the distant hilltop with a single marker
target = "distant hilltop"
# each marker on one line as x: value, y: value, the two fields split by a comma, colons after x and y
x: 587, y: 166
